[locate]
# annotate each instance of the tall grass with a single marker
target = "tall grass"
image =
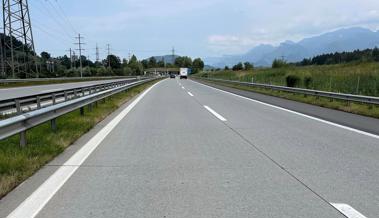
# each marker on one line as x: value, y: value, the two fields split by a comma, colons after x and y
x: 353, y: 78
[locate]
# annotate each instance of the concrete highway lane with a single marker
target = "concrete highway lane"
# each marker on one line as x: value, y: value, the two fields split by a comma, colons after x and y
x: 187, y: 150
x: 8, y: 93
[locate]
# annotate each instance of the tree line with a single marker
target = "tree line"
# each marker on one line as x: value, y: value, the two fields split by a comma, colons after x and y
x: 196, y: 65
x: 64, y: 66
x: 367, y: 55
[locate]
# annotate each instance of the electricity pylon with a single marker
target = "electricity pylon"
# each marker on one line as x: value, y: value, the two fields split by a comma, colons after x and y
x: 18, y: 44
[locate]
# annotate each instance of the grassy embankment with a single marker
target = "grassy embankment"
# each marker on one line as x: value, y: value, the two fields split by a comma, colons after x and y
x: 17, y: 164
x: 357, y: 78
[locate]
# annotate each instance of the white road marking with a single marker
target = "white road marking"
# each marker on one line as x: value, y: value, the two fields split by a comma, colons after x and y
x: 297, y: 113
x: 40, y: 197
x: 215, y: 114
x: 183, y: 88
x: 190, y: 94
x: 348, y: 211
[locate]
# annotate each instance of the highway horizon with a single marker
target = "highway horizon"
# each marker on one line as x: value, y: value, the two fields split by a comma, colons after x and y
x: 185, y: 149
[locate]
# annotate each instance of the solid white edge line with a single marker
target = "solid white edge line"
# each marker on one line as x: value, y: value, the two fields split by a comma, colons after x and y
x: 215, y: 113
x: 347, y: 210
x: 297, y: 113
x: 190, y: 94
x: 41, y: 196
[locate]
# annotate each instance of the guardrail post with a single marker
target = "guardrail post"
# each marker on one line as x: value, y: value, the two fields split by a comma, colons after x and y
x: 75, y: 94
x: 54, y: 99
x: 82, y: 111
x: 23, y: 133
x: 65, y: 96
x: 54, y: 125
x: 23, y: 140
x: 38, y: 102
x: 82, y: 92
x: 90, y: 106
x: 18, y: 106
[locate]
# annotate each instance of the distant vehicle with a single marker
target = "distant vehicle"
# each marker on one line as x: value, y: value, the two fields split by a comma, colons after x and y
x: 183, y: 73
x: 172, y: 75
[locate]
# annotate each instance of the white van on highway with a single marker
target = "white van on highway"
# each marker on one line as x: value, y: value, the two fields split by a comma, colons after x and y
x: 183, y: 73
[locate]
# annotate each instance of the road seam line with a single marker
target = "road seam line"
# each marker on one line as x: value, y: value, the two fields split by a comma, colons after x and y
x: 297, y: 113
x: 348, y: 211
x: 215, y: 113
x: 277, y: 163
x: 31, y: 206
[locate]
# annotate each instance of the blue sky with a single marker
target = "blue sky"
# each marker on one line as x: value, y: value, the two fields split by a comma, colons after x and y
x: 198, y: 28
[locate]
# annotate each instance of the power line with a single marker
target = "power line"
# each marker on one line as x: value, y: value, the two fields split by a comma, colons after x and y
x: 51, y: 15
x: 65, y: 16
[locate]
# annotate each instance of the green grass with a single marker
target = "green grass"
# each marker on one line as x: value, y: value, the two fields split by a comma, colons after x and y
x: 335, y: 78
x: 17, y: 164
x: 356, y: 108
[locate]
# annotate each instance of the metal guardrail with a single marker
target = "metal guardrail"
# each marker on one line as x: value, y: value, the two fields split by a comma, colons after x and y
x: 21, y: 123
x: 63, y: 79
x: 37, y: 101
x: 331, y: 95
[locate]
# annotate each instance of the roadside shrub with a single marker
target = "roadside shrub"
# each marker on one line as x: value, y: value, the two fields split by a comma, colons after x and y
x: 292, y: 80
x: 277, y: 63
x: 308, y: 81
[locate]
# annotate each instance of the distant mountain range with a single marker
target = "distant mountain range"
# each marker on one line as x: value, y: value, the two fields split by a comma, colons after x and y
x: 338, y: 41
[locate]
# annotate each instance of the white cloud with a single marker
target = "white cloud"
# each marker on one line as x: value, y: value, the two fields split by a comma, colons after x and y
x: 273, y: 21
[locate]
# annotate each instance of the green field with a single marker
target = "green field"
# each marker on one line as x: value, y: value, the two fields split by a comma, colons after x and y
x: 17, y: 164
x: 353, y: 78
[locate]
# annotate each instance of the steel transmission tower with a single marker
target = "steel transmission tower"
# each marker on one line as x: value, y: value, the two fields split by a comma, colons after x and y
x: 18, y: 45
x: 97, y: 54
x: 80, y: 49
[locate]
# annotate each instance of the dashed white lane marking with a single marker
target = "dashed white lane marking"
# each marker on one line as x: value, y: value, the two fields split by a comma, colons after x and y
x: 215, y: 114
x: 40, y: 197
x: 348, y: 211
x: 297, y: 113
x: 190, y: 94
x: 183, y: 88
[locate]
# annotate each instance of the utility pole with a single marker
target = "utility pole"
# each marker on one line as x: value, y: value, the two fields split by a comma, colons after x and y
x: 17, y: 26
x: 109, y: 54
x: 173, y: 55
x: 71, y: 61
x: 97, y: 53
x: 74, y: 59
x: 80, y: 49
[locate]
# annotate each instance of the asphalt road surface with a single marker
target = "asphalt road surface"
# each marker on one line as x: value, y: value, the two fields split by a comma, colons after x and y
x: 8, y: 93
x: 188, y: 150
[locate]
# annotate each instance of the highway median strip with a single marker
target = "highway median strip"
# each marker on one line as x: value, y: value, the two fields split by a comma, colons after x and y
x: 17, y: 164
